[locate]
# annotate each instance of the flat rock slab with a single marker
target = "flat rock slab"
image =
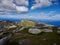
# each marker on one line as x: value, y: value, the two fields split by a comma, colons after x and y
x: 34, y: 31
x: 47, y: 30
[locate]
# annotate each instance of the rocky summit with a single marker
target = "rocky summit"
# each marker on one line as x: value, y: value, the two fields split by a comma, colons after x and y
x: 27, y: 23
x: 27, y: 32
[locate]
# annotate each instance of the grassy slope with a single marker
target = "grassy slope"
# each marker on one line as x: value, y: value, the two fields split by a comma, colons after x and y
x: 51, y: 37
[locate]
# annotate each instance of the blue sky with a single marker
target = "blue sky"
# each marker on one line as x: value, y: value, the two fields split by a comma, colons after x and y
x: 29, y: 6
x: 48, y: 10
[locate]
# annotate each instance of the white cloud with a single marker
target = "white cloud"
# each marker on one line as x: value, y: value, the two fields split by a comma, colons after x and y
x: 22, y: 2
x: 8, y: 3
x: 44, y: 17
x: 21, y: 9
x: 41, y: 3
x: 8, y: 6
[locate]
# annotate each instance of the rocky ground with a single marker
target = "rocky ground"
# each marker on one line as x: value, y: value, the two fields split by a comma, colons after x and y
x: 28, y: 32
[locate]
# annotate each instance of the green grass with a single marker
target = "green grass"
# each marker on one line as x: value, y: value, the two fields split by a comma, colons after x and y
x: 51, y: 38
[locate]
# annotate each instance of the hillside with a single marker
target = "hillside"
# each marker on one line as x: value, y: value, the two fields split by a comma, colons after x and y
x: 28, y: 32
